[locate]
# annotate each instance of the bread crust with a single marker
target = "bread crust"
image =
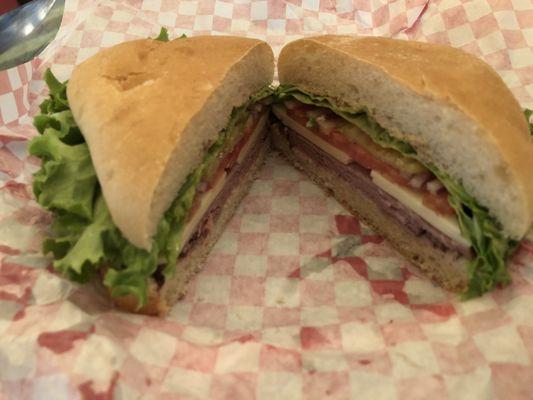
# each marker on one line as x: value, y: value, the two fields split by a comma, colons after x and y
x: 451, y: 80
x: 149, y: 109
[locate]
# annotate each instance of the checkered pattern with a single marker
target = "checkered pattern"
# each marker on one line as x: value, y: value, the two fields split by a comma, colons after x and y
x: 298, y: 299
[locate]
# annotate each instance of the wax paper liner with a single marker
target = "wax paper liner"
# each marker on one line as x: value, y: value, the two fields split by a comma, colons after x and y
x: 298, y: 299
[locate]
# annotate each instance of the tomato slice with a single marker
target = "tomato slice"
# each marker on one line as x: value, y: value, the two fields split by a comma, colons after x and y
x: 299, y: 115
x: 363, y: 157
x: 438, y: 203
x: 229, y: 161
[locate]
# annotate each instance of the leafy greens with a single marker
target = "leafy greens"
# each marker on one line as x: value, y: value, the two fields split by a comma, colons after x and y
x: 84, y: 239
x: 487, y: 269
x: 528, y: 113
x: 163, y: 35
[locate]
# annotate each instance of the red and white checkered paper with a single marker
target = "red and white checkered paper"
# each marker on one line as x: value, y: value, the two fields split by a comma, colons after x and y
x: 298, y: 300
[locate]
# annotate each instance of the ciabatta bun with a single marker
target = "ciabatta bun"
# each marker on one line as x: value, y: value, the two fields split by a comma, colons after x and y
x: 451, y: 106
x: 148, y: 111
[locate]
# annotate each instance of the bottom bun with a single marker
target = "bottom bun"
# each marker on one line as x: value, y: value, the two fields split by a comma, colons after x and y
x: 447, y: 269
x: 160, y: 300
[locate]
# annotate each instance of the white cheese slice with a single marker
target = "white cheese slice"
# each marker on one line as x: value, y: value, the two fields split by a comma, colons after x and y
x: 340, y: 155
x: 205, y: 202
x: 445, y: 224
x: 208, y: 197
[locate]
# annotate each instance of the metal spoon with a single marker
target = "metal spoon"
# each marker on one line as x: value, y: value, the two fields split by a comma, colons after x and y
x: 25, y: 31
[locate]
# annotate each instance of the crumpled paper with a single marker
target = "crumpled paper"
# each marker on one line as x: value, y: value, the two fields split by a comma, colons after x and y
x: 298, y: 299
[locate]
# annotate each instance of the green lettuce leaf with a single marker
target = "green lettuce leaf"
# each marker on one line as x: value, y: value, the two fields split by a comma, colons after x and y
x: 528, y: 113
x: 84, y: 240
x: 163, y: 35
x: 67, y: 180
x: 87, y: 250
x: 57, y: 100
x: 487, y: 269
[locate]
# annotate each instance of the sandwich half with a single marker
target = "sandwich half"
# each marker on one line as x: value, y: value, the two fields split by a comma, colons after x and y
x: 146, y: 153
x: 423, y: 142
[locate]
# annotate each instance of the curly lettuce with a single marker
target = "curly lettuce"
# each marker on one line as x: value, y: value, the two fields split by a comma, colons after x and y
x: 83, y: 238
x: 492, y: 248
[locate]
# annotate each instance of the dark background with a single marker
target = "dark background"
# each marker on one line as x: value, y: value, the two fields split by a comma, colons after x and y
x: 8, y: 5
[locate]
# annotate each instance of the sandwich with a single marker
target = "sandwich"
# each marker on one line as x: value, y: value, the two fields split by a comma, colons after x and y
x: 423, y: 142
x: 146, y: 152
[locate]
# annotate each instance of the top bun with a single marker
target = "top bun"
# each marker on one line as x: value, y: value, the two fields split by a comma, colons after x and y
x: 148, y: 110
x: 450, y: 106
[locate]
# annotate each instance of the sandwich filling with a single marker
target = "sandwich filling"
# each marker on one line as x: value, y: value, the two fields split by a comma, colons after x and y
x: 361, y: 179
x: 389, y: 171
x: 84, y: 239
